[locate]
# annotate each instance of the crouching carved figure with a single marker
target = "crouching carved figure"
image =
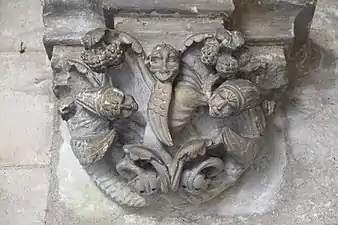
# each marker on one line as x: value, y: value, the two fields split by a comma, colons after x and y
x: 183, y: 122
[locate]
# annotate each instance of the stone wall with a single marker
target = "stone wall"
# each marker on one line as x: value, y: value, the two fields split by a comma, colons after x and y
x: 26, y: 115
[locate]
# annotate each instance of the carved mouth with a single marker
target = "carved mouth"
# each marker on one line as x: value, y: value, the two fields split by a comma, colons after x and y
x: 165, y: 75
x: 214, y: 112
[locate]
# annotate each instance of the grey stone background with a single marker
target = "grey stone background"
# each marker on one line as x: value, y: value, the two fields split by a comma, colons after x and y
x: 41, y: 182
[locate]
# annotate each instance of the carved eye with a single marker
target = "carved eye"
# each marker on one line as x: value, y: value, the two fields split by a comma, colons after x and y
x: 219, y: 107
x: 156, y: 59
x: 172, y: 59
x: 117, y: 96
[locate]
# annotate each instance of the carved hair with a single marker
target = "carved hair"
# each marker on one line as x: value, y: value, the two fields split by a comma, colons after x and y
x: 167, y: 47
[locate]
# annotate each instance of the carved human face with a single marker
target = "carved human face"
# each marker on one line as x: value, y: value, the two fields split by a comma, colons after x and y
x: 223, y: 103
x: 119, y: 105
x: 164, y: 62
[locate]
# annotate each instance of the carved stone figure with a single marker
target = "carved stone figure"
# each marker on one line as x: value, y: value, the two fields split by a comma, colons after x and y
x: 187, y: 122
x: 164, y: 65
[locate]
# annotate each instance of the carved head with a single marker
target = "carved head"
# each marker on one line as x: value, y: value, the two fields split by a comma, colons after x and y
x: 61, y: 69
x: 232, y: 97
x: 117, y: 104
x: 223, y: 103
x: 210, y: 51
x: 164, y: 62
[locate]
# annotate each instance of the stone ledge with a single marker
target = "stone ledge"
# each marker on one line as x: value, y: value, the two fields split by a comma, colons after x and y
x: 68, y: 27
x: 182, y: 7
x: 274, y: 26
x: 174, y: 31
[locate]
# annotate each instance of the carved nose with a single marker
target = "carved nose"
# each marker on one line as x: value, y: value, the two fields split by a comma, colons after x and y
x: 164, y: 66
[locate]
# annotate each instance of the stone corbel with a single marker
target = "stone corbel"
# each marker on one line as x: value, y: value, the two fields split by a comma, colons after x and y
x: 66, y: 21
x: 159, y: 106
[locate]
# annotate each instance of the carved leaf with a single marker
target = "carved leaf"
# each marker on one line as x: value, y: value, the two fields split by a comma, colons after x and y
x: 139, y: 152
x: 187, y: 152
x: 196, y: 179
x: 93, y: 37
x: 197, y: 38
x: 158, y: 112
x: 129, y: 40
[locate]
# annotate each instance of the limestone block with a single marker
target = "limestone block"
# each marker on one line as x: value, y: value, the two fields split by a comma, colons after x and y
x: 66, y: 21
x: 151, y: 31
x: 313, y: 144
x: 79, y: 201
x: 264, y: 25
x: 23, y: 196
x: 170, y: 6
x: 324, y: 29
x: 26, y: 115
x: 21, y: 21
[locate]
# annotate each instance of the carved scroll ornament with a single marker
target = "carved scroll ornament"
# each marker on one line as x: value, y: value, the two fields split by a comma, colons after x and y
x: 183, y: 121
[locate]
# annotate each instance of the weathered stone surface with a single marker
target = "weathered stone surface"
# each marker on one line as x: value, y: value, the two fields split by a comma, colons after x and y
x: 324, y: 29
x: 269, y: 24
x: 258, y: 192
x: 272, y: 2
x: 313, y: 155
x: 300, y: 189
x: 296, y: 184
x: 79, y: 201
x: 28, y: 72
x: 26, y: 109
x: 170, y: 6
x: 26, y: 126
x: 277, y: 65
x: 23, y: 196
x: 150, y: 31
x: 21, y: 21
x: 67, y: 21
